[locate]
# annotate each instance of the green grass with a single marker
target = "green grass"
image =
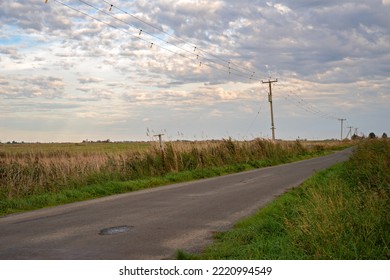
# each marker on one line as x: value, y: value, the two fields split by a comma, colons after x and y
x: 340, y: 213
x: 137, y: 173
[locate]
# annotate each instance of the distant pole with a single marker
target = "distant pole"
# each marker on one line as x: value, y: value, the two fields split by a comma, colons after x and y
x: 161, y: 146
x: 350, y: 131
x: 342, y: 121
x: 269, y: 82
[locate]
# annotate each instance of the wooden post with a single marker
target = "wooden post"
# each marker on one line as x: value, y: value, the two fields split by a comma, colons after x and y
x: 269, y: 82
x: 161, y: 147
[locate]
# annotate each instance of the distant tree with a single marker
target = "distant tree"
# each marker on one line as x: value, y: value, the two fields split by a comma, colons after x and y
x: 384, y: 135
x: 372, y: 135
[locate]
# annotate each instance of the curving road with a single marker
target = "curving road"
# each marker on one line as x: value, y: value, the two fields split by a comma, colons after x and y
x: 154, y: 223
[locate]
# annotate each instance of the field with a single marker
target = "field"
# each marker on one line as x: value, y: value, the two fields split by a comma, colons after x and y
x: 39, y: 175
x: 342, y: 213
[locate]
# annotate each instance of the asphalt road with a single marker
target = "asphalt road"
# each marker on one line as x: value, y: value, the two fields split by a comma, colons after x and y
x: 158, y: 221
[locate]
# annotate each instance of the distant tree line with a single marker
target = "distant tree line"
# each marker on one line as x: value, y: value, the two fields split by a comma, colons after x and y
x: 97, y: 141
x: 372, y: 135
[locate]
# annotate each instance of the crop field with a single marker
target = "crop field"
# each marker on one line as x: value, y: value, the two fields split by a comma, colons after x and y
x: 71, y: 148
x: 28, y: 170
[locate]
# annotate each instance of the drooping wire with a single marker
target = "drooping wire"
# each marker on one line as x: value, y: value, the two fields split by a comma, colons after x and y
x: 117, y: 28
x: 306, y: 106
x: 295, y: 96
x: 209, y: 62
x: 192, y: 45
x: 198, y: 56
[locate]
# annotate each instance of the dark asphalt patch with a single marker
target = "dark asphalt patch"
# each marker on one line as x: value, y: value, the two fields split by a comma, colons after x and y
x: 114, y: 230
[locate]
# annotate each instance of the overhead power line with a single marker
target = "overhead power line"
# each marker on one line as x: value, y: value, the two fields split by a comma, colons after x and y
x: 309, y: 107
x: 193, y: 46
x: 195, y: 55
x: 244, y: 72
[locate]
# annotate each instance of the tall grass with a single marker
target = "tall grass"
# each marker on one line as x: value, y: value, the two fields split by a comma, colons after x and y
x: 30, y: 172
x: 348, y: 218
x: 341, y: 213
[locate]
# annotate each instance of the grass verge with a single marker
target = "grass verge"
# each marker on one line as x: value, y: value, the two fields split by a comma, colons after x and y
x: 340, y: 213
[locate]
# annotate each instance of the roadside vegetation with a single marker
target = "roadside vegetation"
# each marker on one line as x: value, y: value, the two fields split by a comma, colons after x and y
x: 340, y: 213
x: 39, y: 175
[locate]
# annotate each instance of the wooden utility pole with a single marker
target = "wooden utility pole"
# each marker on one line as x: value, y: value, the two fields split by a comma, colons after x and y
x: 342, y: 121
x: 349, y: 132
x: 269, y: 82
x: 161, y: 147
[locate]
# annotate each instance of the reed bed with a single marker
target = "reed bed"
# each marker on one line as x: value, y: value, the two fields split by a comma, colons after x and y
x: 35, y: 169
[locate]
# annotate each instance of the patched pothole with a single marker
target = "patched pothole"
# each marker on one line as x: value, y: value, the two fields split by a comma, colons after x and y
x: 115, y: 230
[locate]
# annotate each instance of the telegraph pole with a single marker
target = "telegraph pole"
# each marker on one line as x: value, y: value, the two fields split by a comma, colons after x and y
x: 269, y: 82
x: 350, y: 131
x: 342, y: 121
x: 161, y: 147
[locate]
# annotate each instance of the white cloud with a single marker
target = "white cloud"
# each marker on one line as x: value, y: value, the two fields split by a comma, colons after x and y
x: 282, y: 8
x: 216, y: 113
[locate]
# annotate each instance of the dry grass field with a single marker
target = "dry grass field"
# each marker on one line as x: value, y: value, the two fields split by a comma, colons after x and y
x: 30, y: 169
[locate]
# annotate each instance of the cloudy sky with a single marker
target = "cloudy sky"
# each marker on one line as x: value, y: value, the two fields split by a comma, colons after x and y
x: 193, y: 69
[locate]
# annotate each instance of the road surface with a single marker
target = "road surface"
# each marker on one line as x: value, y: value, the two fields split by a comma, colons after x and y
x: 154, y: 223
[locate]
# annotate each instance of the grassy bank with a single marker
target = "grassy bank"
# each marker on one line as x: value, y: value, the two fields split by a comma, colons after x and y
x: 33, y: 177
x: 340, y: 213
